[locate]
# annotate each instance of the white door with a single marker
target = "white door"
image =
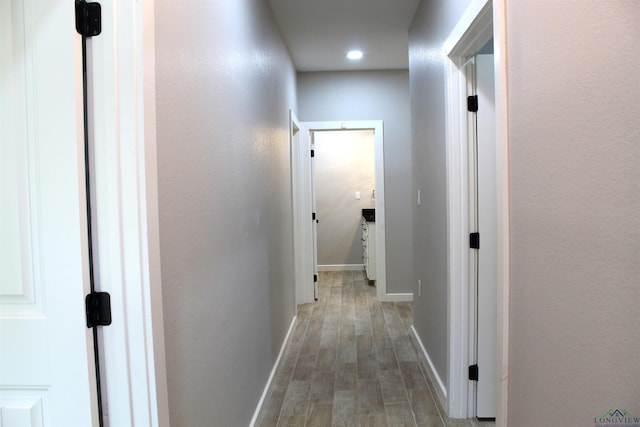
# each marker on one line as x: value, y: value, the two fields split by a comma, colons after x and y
x: 314, y: 218
x: 47, y: 374
x: 301, y: 183
x: 487, y: 226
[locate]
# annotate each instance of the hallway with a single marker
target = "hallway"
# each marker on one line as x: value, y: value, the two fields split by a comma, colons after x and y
x: 351, y: 362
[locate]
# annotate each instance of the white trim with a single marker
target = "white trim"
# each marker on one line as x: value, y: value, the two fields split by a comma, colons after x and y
x: 273, y: 373
x: 502, y: 174
x: 341, y: 267
x: 381, y: 245
x: 377, y: 126
x: 154, y: 318
x: 122, y: 66
x: 473, y: 30
x: 457, y: 235
x: 441, y: 390
x: 399, y: 297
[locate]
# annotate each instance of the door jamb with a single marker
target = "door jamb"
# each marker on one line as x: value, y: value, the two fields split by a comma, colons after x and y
x: 125, y: 172
x: 481, y: 19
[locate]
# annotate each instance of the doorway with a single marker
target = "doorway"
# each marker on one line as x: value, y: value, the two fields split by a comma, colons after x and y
x: 475, y: 28
x: 344, y: 184
x: 304, y: 221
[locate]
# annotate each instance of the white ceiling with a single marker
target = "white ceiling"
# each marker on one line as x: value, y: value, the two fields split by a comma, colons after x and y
x: 319, y: 33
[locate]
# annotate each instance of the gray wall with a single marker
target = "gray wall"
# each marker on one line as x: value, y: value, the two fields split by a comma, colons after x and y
x: 574, y: 143
x: 344, y: 164
x: 374, y: 95
x: 225, y: 84
x: 432, y: 24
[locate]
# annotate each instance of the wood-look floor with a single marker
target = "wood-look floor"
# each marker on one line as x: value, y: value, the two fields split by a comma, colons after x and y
x: 351, y: 362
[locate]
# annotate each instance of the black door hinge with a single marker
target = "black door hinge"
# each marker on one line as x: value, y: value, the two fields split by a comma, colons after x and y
x: 473, y: 372
x: 88, y: 18
x: 315, y: 278
x: 472, y: 103
x: 313, y: 153
x: 98, y: 307
x: 474, y: 240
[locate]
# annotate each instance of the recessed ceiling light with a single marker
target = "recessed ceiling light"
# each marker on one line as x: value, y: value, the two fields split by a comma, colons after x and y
x: 354, y: 55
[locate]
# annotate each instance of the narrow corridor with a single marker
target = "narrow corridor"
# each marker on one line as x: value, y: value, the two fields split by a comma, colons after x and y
x: 351, y: 362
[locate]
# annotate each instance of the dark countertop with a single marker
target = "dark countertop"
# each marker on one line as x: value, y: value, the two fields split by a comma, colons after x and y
x: 369, y: 215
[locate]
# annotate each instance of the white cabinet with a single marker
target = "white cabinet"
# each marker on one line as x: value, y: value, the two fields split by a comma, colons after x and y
x: 369, y: 248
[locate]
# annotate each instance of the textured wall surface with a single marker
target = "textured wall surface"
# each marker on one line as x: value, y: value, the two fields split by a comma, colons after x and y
x: 225, y: 84
x: 344, y: 164
x: 374, y: 95
x: 574, y: 146
x: 432, y: 25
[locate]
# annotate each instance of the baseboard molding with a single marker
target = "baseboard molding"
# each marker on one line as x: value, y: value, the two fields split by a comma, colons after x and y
x: 341, y: 267
x: 404, y: 297
x: 440, y: 389
x: 273, y: 372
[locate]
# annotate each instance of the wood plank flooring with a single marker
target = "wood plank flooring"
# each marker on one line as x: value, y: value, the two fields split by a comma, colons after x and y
x: 351, y: 361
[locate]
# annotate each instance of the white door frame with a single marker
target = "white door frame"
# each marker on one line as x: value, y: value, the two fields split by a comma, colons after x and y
x: 481, y: 20
x: 301, y: 205
x: 301, y: 194
x: 122, y: 80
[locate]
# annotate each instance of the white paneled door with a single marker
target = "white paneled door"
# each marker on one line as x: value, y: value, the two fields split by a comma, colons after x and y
x: 487, y: 205
x: 46, y: 352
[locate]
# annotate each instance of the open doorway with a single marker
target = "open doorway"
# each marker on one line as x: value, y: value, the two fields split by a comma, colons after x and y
x: 344, y: 185
x: 467, y: 186
x: 304, y: 219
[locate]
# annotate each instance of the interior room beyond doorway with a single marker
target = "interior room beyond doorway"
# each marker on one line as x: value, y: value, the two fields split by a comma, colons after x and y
x: 344, y: 185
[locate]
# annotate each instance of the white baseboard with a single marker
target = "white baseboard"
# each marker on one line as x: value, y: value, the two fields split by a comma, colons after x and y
x: 441, y: 390
x: 341, y: 267
x: 408, y: 297
x: 273, y: 372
